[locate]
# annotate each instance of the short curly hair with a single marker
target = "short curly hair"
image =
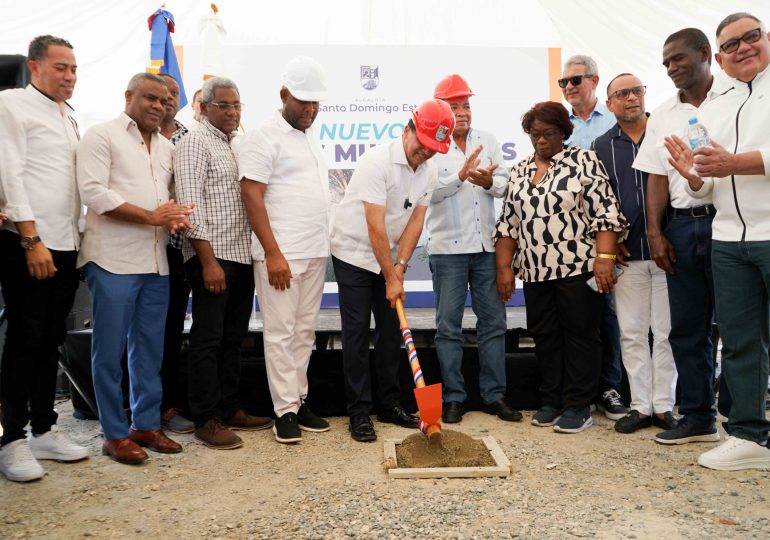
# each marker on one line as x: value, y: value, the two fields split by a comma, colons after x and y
x: 548, y: 112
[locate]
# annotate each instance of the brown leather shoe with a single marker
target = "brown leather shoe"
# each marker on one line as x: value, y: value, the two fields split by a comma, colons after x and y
x: 124, y: 451
x: 243, y: 420
x: 215, y: 435
x: 155, y: 440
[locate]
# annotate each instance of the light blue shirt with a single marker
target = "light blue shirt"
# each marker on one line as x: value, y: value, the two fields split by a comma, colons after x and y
x: 461, y: 216
x: 600, y: 120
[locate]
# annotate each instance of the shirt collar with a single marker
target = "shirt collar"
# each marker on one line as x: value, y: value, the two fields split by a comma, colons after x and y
x: 757, y: 77
x: 677, y: 103
x: 126, y: 121
x: 618, y: 132
x: 600, y: 109
x: 554, y: 159
x: 213, y: 130
x: 397, y: 153
x: 283, y: 124
x: 46, y: 99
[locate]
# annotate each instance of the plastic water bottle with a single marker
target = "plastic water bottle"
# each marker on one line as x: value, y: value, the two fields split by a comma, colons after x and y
x: 697, y: 137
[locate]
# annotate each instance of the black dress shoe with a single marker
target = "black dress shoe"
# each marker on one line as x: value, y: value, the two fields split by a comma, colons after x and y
x: 632, y: 422
x: 361, y: 428
x: 504, y: 411
x: 668, y: 421
x: 453, y: 412
x: 397, y: 415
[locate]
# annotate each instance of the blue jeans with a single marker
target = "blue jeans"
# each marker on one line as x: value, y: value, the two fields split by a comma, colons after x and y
x: 691, y: 298
x: 452, y: 276
x: 742, y: 284
x: 127, y: 309
x: 610, y: 332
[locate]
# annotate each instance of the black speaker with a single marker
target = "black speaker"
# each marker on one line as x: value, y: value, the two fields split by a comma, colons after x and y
x: 13, y: 71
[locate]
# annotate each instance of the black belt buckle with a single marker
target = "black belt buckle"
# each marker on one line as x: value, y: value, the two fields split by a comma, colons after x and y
x: 695, y: 211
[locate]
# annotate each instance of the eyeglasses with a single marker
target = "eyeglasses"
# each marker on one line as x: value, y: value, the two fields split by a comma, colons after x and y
x: 548, y: 134
x: 638, y: 91
x: 224, y: 107
x: 575, y: 80
x: 731, y: 45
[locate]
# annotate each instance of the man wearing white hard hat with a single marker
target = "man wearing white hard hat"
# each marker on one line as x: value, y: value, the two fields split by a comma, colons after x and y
x: 285, y: 186
x: 375, y: 229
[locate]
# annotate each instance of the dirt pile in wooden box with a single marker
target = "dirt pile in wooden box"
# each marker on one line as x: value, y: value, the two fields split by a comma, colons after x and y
x: 456, y: 450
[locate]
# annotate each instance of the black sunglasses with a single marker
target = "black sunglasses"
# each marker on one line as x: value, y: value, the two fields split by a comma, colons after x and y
x: 575, y: 80
x: 731, y: 45
x: 638, y: 91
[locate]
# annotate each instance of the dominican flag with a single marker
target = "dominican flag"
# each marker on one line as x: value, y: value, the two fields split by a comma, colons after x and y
x: 162, y: 53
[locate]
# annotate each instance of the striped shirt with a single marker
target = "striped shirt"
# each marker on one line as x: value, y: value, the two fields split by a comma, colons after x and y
x: 206, y: 173
x: 555, y: 221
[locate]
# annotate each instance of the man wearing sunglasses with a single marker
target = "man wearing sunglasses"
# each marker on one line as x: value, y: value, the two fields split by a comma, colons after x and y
x: 641, y: 294
x: 681, y: 244
x: 735, y: 171
x: 591, y: 118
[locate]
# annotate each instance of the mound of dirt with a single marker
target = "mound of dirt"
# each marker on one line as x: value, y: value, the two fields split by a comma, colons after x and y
x: 456, y: 450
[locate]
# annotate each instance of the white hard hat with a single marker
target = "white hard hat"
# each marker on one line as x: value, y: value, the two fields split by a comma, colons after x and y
x: 304, y: 78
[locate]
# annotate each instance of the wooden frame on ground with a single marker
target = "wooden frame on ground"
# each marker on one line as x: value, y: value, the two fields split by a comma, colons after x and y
x: 502, y: 467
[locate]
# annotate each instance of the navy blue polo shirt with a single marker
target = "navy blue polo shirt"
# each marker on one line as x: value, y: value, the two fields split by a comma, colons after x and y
x: 617, y: 152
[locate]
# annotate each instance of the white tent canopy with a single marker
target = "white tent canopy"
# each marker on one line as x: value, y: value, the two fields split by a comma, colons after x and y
x: 111, y: 37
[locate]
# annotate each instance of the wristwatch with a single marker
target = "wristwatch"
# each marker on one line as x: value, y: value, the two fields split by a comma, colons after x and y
x: 28, y: 242
x: 403, y: 263
x: 610, y: 256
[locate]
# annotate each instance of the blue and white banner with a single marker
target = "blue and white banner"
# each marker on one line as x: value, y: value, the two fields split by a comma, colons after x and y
x: 372, y: 91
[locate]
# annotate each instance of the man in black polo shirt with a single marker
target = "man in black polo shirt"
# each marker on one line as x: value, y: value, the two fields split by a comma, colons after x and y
x: 641, y: 294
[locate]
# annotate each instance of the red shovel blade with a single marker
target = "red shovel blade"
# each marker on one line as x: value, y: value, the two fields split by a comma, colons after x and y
x: 429, y: 402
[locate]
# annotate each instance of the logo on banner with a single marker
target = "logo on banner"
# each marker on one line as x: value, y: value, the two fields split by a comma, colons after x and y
x: 370, y: 77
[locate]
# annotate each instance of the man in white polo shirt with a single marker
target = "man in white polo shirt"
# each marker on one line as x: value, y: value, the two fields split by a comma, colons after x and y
x: 285, y: 186
x: 681, y: 244
x: 375, y: 229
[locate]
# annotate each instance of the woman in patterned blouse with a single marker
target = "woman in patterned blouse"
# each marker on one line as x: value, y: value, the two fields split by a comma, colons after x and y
x: 559, y: 227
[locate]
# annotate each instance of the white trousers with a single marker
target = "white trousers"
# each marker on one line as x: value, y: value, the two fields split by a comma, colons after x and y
x: 641, y: 301
x: 289, y: 319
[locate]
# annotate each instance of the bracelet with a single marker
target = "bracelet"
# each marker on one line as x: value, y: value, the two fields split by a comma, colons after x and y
x: 610, y: 256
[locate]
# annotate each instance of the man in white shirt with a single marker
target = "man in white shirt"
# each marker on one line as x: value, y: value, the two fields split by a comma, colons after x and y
x: 285, y: 186
x: 459, y: 223
x: 736, y: 172
x: 124, y: 175
x: 38, y: 248
x: 682, y: 245
x: 375, y: 229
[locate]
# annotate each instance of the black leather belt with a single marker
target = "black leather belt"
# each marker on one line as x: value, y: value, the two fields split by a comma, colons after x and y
x: 695, y: 211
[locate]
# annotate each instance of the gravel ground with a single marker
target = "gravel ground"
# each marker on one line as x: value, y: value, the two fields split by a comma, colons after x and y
x: 596, y: 484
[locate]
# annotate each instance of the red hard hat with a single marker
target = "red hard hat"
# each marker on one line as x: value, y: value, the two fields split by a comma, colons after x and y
x: 451, y: 87
x: 434, y: 123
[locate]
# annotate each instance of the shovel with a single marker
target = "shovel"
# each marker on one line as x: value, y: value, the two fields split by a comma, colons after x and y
x: 428, y: 397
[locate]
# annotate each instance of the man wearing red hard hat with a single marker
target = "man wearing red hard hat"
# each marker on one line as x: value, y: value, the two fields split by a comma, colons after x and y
x: 374, y: 231
x: 460, y: 224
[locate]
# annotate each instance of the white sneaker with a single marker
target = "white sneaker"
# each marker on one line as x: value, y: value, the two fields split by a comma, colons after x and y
x: 56, y: 445
x: 17, y: 462
x: 736, y: 454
